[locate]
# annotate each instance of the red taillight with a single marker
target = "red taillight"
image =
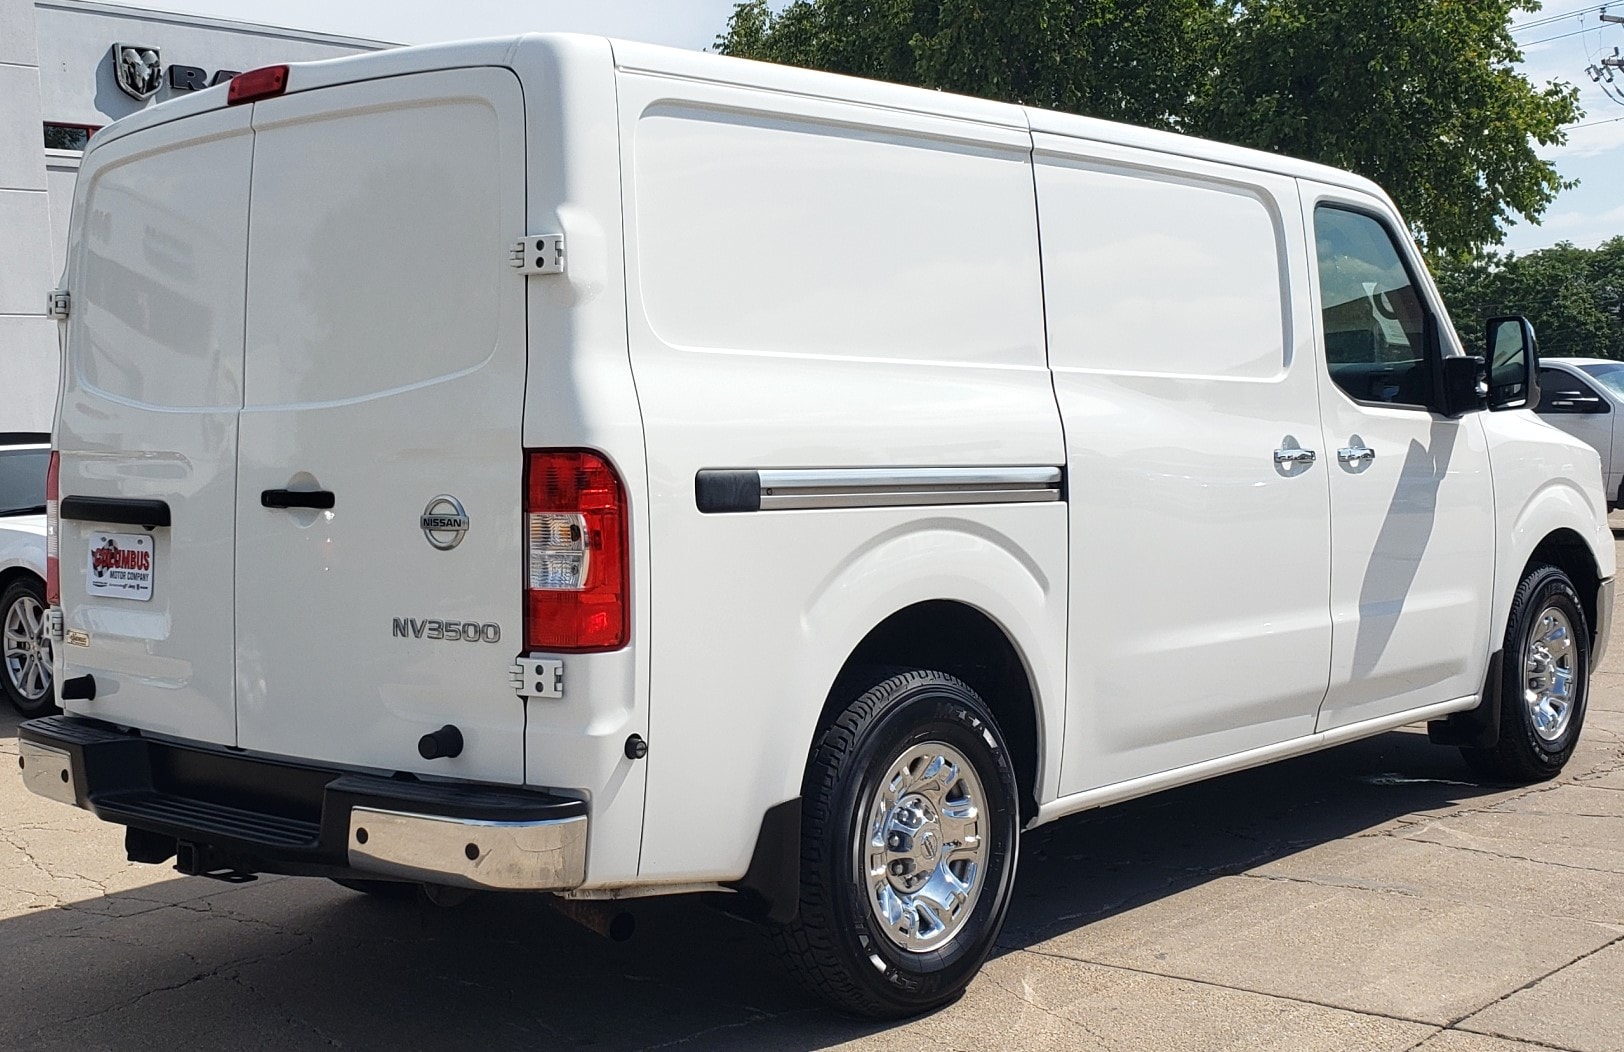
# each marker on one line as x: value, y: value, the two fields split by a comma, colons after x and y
x: 53, y: 527
x: 262, y: 83
x: 575, y: 553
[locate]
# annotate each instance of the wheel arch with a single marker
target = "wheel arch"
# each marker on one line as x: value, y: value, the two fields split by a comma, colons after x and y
x: 950, y: 636
x: 972, y: 600
x: 17, y: 572
x: 1567, y: 550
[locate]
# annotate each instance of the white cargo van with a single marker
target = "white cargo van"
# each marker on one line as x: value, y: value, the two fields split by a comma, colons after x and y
x: 574, y: 466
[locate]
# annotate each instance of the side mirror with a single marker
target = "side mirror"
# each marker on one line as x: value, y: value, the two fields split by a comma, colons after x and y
x: 1513, y: 363
x: 1465, y: 384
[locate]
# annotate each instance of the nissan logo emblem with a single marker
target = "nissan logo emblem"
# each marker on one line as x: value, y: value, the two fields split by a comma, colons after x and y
x: 444, y: 522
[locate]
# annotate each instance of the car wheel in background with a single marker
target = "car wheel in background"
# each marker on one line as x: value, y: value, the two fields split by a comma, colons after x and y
x: 25, y: 648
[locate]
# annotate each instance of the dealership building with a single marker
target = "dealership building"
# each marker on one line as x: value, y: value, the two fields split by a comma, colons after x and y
x: 67, y: 68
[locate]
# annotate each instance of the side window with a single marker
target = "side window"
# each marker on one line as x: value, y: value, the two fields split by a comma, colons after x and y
x: 1562, y: 392
x: 1374, y: 319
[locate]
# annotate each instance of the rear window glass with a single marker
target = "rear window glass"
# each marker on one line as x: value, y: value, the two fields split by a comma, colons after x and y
x: 22, y: 480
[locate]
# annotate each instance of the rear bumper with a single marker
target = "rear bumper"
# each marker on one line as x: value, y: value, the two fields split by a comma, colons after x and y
x: 225, y: 814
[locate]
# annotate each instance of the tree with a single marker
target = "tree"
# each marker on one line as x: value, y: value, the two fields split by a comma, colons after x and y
x: 1572, y: 295
x: 1419, y: 95
x: 1127, y: 60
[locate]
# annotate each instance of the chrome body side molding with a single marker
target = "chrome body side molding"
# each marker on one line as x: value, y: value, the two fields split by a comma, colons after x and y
x: 782, y: 489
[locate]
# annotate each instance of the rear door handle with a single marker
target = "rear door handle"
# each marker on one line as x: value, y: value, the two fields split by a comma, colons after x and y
x: 1355, y: 454
x: 1294, y: 456
x: 297, y: 498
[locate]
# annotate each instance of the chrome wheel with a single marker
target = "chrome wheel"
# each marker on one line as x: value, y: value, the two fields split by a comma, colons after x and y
x: 924, y: 855
x: 27, y: 649
x: 1549, y: 661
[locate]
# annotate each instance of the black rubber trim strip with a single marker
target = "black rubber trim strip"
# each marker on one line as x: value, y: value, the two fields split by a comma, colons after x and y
x: 127, y: 511
x: 719, y: 490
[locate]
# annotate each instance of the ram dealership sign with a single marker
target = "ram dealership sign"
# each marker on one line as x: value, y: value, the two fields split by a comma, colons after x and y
x: 140, y: 73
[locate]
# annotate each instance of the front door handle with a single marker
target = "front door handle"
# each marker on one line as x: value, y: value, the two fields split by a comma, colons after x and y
x: 1355, y: 454
x: 1294, y: 456
x: 297, y: 498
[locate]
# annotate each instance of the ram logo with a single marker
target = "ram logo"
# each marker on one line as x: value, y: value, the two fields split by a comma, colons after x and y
x: 453, y: 631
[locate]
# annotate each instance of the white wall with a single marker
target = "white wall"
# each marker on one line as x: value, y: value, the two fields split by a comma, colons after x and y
x: 28, y: 353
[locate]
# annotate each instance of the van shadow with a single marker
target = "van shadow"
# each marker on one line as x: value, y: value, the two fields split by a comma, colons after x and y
x: 291, y: 963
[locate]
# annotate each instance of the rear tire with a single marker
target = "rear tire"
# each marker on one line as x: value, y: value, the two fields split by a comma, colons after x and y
x: 1545, y: 684
x: 909, y: 835
x: 25, y: 649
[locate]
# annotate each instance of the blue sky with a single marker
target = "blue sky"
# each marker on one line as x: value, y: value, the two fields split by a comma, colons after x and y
x: 1559, y: 41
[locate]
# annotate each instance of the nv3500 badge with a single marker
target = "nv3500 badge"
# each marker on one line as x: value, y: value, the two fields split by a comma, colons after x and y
x: 435, y: 628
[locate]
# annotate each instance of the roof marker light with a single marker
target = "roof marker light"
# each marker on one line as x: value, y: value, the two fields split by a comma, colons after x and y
x: 262, y: 83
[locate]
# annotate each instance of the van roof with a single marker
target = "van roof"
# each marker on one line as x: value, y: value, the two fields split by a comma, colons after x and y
x: 702, y: 66
x: 696, y: 65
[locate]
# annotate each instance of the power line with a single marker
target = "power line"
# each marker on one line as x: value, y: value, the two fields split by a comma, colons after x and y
x: 1592, y: 124
x: 1549, y: 19
x: 1559, y: 36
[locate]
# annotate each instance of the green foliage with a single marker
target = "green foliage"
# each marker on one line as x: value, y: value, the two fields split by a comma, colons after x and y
x: 1572, y: 295
x: 1127, y: 60
x: 1419, y: 95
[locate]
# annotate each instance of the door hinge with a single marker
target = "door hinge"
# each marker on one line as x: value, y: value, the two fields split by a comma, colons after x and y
x: 538, y: 677
x: 58, y: 303
x: 538, y: 254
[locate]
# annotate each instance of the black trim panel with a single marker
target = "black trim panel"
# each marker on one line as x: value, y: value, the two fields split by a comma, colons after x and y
x: 126, y: 511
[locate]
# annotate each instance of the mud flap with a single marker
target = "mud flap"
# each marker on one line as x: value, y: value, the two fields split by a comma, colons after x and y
x: 1477, y: 728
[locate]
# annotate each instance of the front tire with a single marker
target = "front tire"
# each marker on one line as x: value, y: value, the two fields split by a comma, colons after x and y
x: 910, y: 830
x: 25, y: 649
x: 1545, y: 684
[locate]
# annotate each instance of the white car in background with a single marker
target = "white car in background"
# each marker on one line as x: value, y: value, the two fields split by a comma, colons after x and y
x: 1585, y: 398
x: 25, y: 645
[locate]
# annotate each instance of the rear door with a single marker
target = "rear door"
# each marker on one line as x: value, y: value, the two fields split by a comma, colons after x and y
x: 385, y: 365
x: 149, y: 414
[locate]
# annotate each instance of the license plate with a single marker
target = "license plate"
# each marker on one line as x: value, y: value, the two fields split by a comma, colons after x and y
x: 120, y: 566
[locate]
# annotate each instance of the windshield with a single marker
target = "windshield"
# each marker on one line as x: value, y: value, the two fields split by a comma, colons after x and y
x: 22, y: 481
x: 1609, y: 374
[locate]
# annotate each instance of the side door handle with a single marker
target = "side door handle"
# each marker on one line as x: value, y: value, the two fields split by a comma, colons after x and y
x: 1294, y: 456
x: 297, y: 498
x: 1355, y: 454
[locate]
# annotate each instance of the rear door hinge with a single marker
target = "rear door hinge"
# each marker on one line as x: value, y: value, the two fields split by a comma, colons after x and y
x: 538, y: 677
x: 538, y: 254
x: 58, y: 304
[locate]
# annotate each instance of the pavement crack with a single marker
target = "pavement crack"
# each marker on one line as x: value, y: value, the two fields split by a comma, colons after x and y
x: 1515, y: 858
x: 1530, y: 984
x: 1237, y: 989
x: 1349, y: 883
